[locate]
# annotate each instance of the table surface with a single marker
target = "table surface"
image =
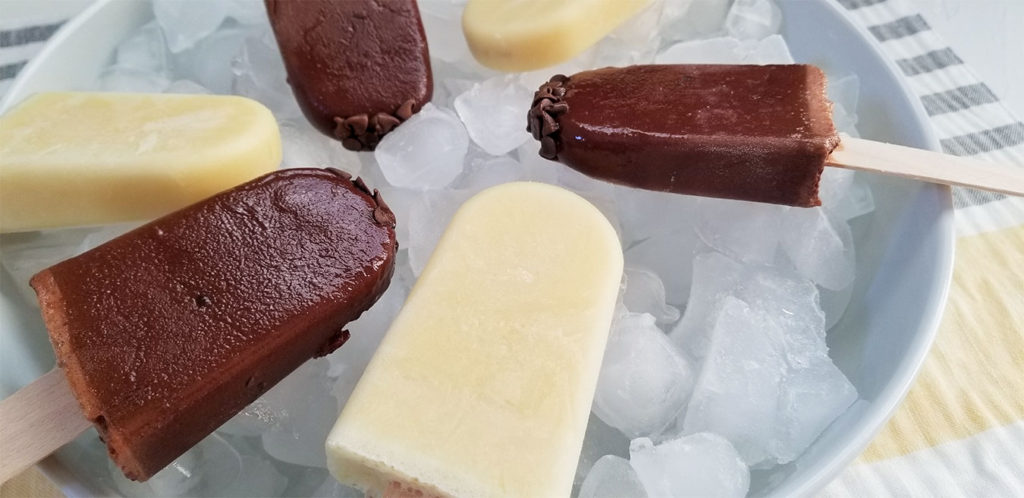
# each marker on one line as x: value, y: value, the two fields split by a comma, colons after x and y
x: 988, y: 35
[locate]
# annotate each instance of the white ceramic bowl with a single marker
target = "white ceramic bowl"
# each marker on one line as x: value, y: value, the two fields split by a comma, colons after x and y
x: 904, y: 251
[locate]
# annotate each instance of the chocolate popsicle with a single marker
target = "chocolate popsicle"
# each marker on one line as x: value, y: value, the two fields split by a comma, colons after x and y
x: 755, y: 133
x: 358, y: 68
x: 166, y: 332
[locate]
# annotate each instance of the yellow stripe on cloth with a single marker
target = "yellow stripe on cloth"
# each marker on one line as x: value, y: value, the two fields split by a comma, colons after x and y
x: 30, y: 483
x: 973, y: 379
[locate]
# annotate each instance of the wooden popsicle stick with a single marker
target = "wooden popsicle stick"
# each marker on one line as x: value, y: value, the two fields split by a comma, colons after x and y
x: 928, y: 166
x: 36, y: 421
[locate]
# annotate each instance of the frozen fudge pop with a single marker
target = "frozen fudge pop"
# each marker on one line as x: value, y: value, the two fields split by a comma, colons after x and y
x: 755, y: 133
x: 166, y: 332
x: 358, y: 68
x: 483, y: 385
x: 522, y: 35
x: 81, y: 158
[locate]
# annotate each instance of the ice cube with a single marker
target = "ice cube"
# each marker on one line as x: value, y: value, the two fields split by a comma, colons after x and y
x: 644, y: 380
x: 25, y: 254
x: 449, y: 89
x: 186, y: 86
x: 812, y: 397
x: 488, y: 172
x: 185, y: 22
x: 426, y: 152
x: 612, y: 477
x: 247, y: 12
x: 856, y: 201
x: 259, y: 417
x: 724, y: 50
x: 494, y: 113
x: 844, y: 92
x: 669, y: 256
x: 600, y: 440
x: 771, y: 50
x: 428, y: 218
x: 737, y: 392
x: 833, y: 186
x: 258, y: 477
x: 645, y: 293
x: 748, y: 231
x: 305, y: 147
x: 209, y: 62
x: 209, y: 468
x: 305, y: 411
x: 698, y: 465
x: 260, y: 74
x: 753, y: 19
x: 688, y: 19
x: 442, y: 22
x: 131, y: 80
x: 535, y: 167
x: 714, y: 277
x: 144, y: 50
x: 368, y: 330
x: 834, y: 304
x: 820, y: 248
x: 634, y: 41
x: 645, y: 213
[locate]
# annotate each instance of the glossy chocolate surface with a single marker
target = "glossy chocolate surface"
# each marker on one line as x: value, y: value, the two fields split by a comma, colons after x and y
x: 756, y: 133
x: 169, y: 330
x: 358, y: 68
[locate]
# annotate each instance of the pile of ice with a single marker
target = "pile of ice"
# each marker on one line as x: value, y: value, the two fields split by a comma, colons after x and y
x: 717, y: 361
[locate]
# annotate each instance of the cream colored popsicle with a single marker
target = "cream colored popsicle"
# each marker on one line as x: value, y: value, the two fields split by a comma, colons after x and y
x: 80, y: 158
x: 483, y: 385
x: 522, y: 35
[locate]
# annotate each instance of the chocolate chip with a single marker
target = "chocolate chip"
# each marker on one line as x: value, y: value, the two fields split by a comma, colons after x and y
x: 550, y: 125
x: 341, y: 130
x: 358, y: 123
x: 548, y: 149
x: 556, y: 109
x: 385, y: 123
x: 352, y: 144
x: 405, y: 110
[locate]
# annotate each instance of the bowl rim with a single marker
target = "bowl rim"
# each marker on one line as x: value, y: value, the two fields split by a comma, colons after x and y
x: 873, y: 422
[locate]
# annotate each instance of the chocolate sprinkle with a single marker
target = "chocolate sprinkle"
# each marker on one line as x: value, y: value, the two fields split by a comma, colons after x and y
x: 542, y: 120
x: 363, y: 132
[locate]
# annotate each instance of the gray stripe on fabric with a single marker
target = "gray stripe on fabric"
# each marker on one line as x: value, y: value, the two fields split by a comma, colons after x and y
x: 29, y: 34
x: 985, y: 141
x: 958, y: 99
x: 11, y: 70
x: 967, y: 197
x: 856, y: 4
x: 899, y: 28
x: 931, y: 61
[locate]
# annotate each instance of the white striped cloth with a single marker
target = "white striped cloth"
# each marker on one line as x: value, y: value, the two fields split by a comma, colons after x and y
x: 960, y: 431
x: 966, y: 114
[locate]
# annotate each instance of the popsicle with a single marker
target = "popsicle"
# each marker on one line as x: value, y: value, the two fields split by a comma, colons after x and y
x: 754, y: 133
x: 169, y: 330
x: 522, y: 35
x: 483, y: 384
x: 358, y: 68
x: 78, y: 158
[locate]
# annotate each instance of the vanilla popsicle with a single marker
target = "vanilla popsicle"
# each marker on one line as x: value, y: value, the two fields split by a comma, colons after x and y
x: 78, y: 158
x: 522, y: 35
x: 483, y: 384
